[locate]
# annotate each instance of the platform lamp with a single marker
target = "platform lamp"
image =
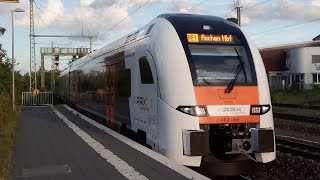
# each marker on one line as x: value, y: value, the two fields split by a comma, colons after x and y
x: 13, y: 61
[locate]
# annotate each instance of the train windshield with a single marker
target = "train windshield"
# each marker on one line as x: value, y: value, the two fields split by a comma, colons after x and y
x: 218, y: 64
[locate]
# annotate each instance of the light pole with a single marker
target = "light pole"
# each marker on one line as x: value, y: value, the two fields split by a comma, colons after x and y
x: 13, y: 90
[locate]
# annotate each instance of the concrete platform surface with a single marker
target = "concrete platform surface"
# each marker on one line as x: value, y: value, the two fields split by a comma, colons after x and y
x: 57, y: 144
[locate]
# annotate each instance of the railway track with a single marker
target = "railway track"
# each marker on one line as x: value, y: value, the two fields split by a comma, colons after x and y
x: 299, y: 148
x: 296, y: 106
x: 297, y: 118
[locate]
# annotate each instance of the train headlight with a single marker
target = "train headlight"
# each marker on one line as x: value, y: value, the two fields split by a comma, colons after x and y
x: 194, y: 110
x: 259, y: 109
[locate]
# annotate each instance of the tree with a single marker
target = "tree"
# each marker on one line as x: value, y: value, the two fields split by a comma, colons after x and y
x: 5, y: 72
x: 21, y: 84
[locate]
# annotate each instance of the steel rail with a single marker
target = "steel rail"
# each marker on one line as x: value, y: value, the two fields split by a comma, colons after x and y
x: 299, y: 106
x: 297, y: 118
x: 294, y: 147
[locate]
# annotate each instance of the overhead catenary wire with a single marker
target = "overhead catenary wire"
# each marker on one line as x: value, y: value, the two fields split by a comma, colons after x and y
x: 46, y: 23
x: 197, y: 4
x: 258, y: 4
x: 119, y: 22
x: 246, y: 8
x: 283, y: 27
x: 65, y: 19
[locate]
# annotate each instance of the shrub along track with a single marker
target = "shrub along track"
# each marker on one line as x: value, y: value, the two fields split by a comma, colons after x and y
x: 8, y: 122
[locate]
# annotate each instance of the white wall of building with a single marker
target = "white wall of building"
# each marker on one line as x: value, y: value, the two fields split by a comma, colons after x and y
x: 299, y: 61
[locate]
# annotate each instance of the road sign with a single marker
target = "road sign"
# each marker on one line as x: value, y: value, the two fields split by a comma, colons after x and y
x: 36, y: 92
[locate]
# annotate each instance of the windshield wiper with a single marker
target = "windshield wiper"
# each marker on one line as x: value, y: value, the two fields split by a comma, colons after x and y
x: 206, y: 81
x: 236, y: 74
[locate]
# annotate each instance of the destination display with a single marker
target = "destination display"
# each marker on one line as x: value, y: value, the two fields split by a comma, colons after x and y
x: 210, y: 38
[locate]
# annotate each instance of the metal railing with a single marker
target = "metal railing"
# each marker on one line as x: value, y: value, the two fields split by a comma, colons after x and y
x: 43, y: 98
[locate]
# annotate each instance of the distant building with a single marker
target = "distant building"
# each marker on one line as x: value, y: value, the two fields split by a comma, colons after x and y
x: 293, y: 64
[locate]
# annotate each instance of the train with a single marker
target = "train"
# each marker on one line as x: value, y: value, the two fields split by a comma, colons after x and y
x: 190, y: 87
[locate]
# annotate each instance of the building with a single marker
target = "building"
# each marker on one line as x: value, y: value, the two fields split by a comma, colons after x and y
x: 293, y: 65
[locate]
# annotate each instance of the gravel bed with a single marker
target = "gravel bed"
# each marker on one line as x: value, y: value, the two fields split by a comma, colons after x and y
x: 288, y: 167
x: 306, y: 131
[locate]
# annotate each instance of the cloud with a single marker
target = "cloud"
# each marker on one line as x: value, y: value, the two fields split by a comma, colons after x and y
x: 184, y: 6
x: 54, y: 10
x: 95, y: 16
x: 315, y: 3
x: 291, y: 10
x: 6, y: 7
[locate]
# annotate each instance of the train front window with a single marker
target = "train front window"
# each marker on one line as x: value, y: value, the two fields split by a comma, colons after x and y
x: 217, y: 65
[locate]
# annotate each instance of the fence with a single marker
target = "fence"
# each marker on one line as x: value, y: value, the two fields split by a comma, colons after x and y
x: 43, y: 98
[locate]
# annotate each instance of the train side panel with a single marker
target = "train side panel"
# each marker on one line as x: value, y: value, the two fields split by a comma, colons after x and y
x: 144, y: 93
x: 175, y: 88
x: 266, y: 120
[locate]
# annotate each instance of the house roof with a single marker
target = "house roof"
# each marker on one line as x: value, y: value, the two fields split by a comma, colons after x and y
x: 293, y: 45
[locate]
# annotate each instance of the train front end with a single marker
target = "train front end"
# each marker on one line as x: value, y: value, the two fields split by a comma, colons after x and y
x: 214, y: 92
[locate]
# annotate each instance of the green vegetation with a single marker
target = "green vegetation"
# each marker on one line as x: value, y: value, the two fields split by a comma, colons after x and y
x: 8, y: 118
x: 8, y: 122
x: 295, y: 96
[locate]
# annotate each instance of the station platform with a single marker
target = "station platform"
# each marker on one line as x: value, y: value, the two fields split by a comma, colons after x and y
x: 56, y: 142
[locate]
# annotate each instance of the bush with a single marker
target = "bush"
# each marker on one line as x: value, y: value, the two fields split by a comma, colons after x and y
x: 4, y: 110
x: 8, y: 120
x: 295, y: 96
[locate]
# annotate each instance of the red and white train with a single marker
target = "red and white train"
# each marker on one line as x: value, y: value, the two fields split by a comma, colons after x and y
x: 191, y: 87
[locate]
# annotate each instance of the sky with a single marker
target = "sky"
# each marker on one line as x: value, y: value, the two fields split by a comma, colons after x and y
x: 267, y: 22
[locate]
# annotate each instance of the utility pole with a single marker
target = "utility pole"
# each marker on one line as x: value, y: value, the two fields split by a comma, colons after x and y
x: 239, y: 12
x: 33, y: 65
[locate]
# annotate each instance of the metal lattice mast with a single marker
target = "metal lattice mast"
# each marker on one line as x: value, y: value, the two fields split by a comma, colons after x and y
x: 33, y: 66
x: 239, y: 12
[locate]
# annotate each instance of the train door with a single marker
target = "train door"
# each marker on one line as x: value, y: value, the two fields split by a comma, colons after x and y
x: 148, y: 106
x: 69, y: 86
x: 110, y: 93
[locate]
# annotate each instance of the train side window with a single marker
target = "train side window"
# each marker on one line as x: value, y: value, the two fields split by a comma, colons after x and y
x: 145, y: 71
x: 124, y: 82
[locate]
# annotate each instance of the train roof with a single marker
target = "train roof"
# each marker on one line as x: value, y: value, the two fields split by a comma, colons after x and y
x: 194, y: 23
x: 183, y: 23
x: 194, y: 17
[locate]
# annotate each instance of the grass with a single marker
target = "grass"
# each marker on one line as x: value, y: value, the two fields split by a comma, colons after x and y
x: 8, y: 123
x: 295, y: 96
